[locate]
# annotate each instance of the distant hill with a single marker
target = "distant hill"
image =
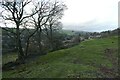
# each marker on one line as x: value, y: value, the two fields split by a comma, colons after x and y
x: 73, y: 32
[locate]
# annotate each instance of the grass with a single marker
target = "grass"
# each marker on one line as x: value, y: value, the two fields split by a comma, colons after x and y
x: 9, y: 57
x: 86, y: 60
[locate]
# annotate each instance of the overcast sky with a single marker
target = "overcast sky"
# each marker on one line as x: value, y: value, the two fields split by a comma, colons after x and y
x: 91, y: 15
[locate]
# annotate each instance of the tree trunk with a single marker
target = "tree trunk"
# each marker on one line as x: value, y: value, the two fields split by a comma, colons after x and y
x: 27, y: 46
x: 39, y: 40
x: 51, y: 37
x: 19, y: 46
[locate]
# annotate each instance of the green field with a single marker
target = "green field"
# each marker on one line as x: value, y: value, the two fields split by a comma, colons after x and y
x: 95, y: 58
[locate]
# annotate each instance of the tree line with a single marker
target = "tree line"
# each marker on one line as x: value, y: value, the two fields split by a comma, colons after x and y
x: 42, y: 16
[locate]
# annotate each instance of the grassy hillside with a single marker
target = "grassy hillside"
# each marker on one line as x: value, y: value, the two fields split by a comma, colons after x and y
x: 89, y: 59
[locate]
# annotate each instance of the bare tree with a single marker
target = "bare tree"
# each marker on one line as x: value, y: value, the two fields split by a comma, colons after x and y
x: 47, y: 10
x: 15, y: 12
x: 54, y: 23
x: 43, y: 12
x: 40, y: 18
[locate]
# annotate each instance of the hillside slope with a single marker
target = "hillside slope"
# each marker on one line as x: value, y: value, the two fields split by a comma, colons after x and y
x: 89, y: 59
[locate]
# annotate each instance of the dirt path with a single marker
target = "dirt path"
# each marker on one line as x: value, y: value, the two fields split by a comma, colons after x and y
x: 110, y: 54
